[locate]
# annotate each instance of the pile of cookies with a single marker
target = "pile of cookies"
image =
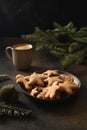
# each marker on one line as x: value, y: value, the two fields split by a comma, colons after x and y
x: 50, y: 84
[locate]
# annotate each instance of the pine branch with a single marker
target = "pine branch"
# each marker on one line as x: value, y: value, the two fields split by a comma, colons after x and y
x: 11, y: 110
x: 4, y: 77
x: 61, y: 41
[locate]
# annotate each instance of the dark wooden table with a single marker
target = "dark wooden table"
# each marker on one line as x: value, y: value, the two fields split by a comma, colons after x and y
x: 68, y: 115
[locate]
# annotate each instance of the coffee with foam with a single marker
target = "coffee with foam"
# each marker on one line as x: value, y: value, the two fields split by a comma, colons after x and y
x: 22, y: 46
x: 20, y: 55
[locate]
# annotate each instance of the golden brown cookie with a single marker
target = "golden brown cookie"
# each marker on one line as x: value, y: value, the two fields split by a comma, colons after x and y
x: 36, y: 79
x: 42, y: 93
x: 51, y: 80
x: 20, y: 79
x: 49, y: 73
x: 34, y: 91
x: 49, y: 92
x: 50, y: 84
x: 68, y: 87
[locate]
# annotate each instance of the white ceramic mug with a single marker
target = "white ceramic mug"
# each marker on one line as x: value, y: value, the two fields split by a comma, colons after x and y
x: 20, y: 55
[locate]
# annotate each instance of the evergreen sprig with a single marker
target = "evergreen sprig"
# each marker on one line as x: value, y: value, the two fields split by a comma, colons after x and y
x: 62, y: 41
x: 9, y: 94
x: 12, y: 110
x: 4, y: 77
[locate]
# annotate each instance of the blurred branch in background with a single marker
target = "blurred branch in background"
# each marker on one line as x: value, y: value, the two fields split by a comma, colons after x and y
x: 67, y: 43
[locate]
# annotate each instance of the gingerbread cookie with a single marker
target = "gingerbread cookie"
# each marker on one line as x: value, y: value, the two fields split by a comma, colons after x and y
x: 20, y: 79
x: 50, y: 84
x: 52, y: 79
x: 36, y: 79
x: 51, y: 91
x: 34, y: 91
x: 68, y: 87
x: 49, y: 73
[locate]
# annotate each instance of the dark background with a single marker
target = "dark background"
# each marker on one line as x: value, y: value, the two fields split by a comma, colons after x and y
x: 21, y: 16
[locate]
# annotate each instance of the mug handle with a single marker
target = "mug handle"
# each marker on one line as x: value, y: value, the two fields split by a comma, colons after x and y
x: 8, y: 52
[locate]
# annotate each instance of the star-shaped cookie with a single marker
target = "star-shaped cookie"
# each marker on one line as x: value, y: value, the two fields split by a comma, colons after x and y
x: 68, y: 87
x: 49, y: 73
x: 35, y: 79
x: 51, y: 80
